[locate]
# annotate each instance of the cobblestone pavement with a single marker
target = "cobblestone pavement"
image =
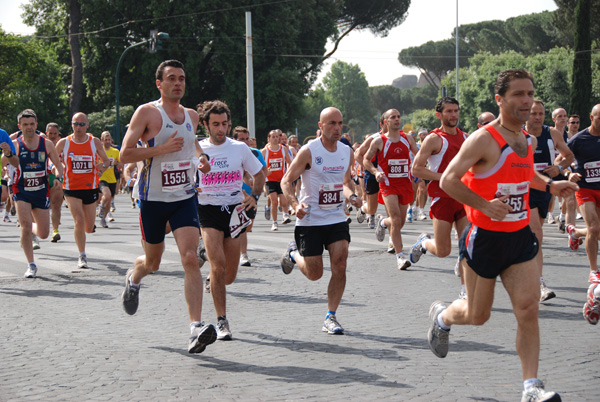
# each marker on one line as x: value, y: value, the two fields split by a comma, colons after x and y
x: 65, y: 337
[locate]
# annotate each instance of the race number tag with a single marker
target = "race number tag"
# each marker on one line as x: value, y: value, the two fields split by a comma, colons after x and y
x: 397, y: 168
x: 276, y: 164
x: 239, y: 220
x: 540, y: 166
x: 592, y: 172
x: 330, y: 195
x: 174, y: 175
x: 82, y: 164
x: 34, y: 181
x: 516, y: 199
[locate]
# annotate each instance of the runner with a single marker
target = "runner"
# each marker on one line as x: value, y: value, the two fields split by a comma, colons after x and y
x: 491, y: 176
x: 438, y: 149
x: 225, y: 210
x: 79, y: 153
x: 9, y: 156
x: 56, y: 190
x: 324, y: 165
x: 277, y: 157
x: 108, y: 180
x: 31, y: 191
x: 395, y: 180
x: 167, y: 193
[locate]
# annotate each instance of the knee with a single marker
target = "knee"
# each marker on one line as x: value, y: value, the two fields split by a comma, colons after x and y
x: 480, y: 318
x: 189, y: 260
x: 397, y: 221
x: 528, y: 312
x: 314, y: 275
x: 443, y: 250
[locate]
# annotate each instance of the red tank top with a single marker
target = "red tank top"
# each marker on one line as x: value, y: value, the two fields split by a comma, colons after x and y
x: 275, y: 162
x: 394, y: 160
x: 80, y: 164
x: 439, y: 162
x: 511, y: 175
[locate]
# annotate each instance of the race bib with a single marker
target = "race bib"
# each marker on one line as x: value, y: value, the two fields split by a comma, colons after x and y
x: 540, y: 166
x: 592, y: 172
x: 397, y: 168
x: 239, y: 220
x: 516, y: 199
x: 34, y: 181
x: 331, y: 195
x: 82, y: 164
x: 276, y: 164
x: 174, y: 175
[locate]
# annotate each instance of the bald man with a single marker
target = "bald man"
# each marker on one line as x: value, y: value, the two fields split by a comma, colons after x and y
x: 80, y: 153
x: 485, y: 118
x: 325, y: 167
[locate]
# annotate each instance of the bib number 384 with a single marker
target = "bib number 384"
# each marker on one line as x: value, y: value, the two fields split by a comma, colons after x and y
x: 174, y: 175
x: 330, y: 195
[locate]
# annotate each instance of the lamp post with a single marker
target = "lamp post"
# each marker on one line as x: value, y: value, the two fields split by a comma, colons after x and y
x: 153, y: 40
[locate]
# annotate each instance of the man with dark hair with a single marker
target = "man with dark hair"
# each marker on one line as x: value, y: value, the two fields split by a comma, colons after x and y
x: 438, y: 150
x: 31, y: 191
x: 224, y: 209
x: 56, y: 190
x: 167, y: 193
x: 108, y: 180
x: 325, y: 167
x: 277, y: 157
x: 491, y: 176
x: 549, y: 140
x: 573, y: 125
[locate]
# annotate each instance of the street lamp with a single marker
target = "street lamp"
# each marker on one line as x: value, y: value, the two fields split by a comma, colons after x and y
x: 154, y: 41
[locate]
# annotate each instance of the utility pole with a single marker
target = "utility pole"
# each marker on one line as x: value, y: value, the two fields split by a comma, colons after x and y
x: 249, y: 77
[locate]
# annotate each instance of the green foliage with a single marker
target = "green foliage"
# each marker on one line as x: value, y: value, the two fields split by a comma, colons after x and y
x: 105, y: 119
x: 422, y: 118
x: 30, y: 79
x: 581, y: 86
x: 564, y: 20
x: 387, y: 97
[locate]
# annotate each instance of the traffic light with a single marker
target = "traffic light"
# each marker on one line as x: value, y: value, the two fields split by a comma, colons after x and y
x: 156, y: 40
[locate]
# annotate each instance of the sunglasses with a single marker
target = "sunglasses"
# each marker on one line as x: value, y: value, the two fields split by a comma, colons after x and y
x: 79, y: 124
x: 573, y: 122
x: 486, y: 122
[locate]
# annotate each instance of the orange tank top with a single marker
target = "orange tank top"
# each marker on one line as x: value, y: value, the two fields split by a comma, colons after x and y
x: 80, y: 164
x: 511, y: 175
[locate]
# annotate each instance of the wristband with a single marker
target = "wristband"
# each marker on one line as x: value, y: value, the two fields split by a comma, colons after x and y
x: 207, y: 157
x: 548, y: 186
x: 9, y: 155
x: 352, y: 196
x: 255, y: 196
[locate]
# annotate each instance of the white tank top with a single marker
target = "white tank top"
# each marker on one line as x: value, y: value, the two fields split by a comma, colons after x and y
x: 169, y: 177
x: 323, y: 185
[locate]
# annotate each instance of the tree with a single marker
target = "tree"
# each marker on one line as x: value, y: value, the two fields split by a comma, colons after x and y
x: 564, y: 20
x: 423, y: 118
x: 406, y: 101
x: 347, y: 89
x: 581, y: 87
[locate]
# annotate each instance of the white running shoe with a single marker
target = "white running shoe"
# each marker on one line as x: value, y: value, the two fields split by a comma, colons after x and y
x: 379, y: 230
x: 31, y: 271
x: 36, y: 242
x: 274, y: 227
x: 110, y: 217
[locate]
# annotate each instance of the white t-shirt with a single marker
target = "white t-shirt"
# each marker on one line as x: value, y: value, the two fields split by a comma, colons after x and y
x: 228, y: 161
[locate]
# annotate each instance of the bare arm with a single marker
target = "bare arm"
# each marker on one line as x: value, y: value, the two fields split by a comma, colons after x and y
x: 413, y: 145
x: 375, y: 147
x: 299, y: 165
x: 349, y: 185
x: 14, y: 158
x: 54, y: 158
x: 431, y: 146
x: 566, y: 155
x: 359, y: 154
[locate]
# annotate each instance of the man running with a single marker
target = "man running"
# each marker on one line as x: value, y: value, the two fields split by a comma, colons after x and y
x: 277, y: 157
x: 56, y: 190
x: 108, y: 180
x: 325, y: 167
x: 438, y: 149
x: 167, y: 193
x: 224, y: 209
x: 395, y: 180
x: 491, y: 175
x: 31, y: 191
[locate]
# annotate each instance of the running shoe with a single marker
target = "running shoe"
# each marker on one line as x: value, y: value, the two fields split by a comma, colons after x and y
x: 360, y: 215
x: 112, y: 206
x: 103, y: 222
x: 546, y: 293
x: 82, y: 262
x: 207, y: 285
x: 591, y: 308
x: 55, y: 237
x: 551, y: 219
x: 573, y: 241
x: 32, y: 272
x: 110, y: 217
x: 13, y: 211
x: 417, y: 250
x: 201, y: 257
x: 332, y: 326
x: 286, y: 219
x: 371, y: 221
x: 390, y: 248
x: 457, y: 267
x: 287, y: 264
x: 131, y: 295
x: 537, y: 394
x: 561, y: 226
x: 594, y: 277
x: 463, y: 293
x: 579, y: 216
x: 202, y: 336
x: 274, y: 227
x: 437, y: 338
x: 36, y: 242
x: 422, y: 215
x: 223, y: 331
x: 379, y: 230
x: 409, y: 217
x: 7, y: 219
x: 402, y: 263
x: 245, y: 261
x: 267, y: 213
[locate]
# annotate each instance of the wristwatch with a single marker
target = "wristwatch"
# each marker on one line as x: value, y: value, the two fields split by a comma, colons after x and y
x: 255, y: 196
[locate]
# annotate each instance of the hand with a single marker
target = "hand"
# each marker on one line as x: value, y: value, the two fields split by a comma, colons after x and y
x: 301, y: 210
x: 5, y: 148
x: 249, y: 202
x: 173, y: 144
x: 564, y: 188
x: 574, y: 177
x: 380, y: 177
x: 497, y: 208
x: 356, y: 201
x: 552, y: 170
x: 204, y: 166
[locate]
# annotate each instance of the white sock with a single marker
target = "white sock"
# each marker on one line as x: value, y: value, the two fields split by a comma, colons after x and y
x: 82, y: 254
x: 400, y: 255
x: 441, y: 322
x: 194, y: 325
x: 424, y: 244
x: 383, y: 224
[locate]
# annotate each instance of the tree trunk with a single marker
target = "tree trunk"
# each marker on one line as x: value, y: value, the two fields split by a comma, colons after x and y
x: 76, y: 94
x: 581, y: 86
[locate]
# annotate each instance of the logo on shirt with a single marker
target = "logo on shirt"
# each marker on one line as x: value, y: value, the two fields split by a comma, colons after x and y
x: 188, y: 126
x: 319, y: 160
x: 169, y: 126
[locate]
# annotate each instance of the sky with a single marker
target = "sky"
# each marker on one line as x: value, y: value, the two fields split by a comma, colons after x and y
x: 378, y: 57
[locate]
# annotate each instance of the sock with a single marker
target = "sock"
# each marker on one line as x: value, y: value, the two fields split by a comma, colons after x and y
x: 424, y: 245
x: 32, y: 265
x: 194, y: 325
x: 383, y: 224
x: 55, y: 231
x: 292, y: 256
x: 562, y: 217
x: 133, y: 285
x: 597, y: 292
x: 82, y: 254
x: 530, y: 382
x: 542, y: 281
x: 221, y: 318
x: 463, y: 289
x: 400, y: 255
x: 329, y: 312
x: 441, y: 323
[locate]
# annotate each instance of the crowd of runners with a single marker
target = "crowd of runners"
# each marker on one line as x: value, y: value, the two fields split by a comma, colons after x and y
x: 490, y: 193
